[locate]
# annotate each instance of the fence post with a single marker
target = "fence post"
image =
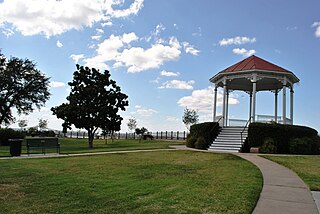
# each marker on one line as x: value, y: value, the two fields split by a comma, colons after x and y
x: 157, y: 136
x: 83, y: 134
x: 166, y: 135
x: 119, y: 136
x: 77, y: 134
x: 177, y: 135
x: 184, y: 135
x: 161, y: 135
x: 71, y: 134
x: 126, y: 135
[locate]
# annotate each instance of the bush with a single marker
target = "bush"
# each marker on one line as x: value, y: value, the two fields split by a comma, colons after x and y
x: 269, y: 146
x: 208, y: 131
x: 191, y: 141
x: 282, y: 134
x: 8, y: 133
x: 305, y: 146
x: 201, y: 143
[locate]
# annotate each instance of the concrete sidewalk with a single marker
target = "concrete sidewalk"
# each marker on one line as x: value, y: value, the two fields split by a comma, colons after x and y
x: 283, y: 191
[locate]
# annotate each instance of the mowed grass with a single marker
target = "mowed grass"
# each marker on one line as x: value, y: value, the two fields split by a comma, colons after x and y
x: 144, y: 182
x: 307, y: 167
x: 73, y: 145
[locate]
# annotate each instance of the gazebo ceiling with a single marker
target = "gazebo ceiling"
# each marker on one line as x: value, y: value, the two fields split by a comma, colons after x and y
x: 240, y: 75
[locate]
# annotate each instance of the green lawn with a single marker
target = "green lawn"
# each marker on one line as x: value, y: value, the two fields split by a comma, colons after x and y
x: 147, y: 182
x: 72, y: 146
x: 307, y: 167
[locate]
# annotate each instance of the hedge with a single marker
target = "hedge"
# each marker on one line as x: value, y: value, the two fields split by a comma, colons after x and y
x: 258, y: 133
x: 207, y: 130
x: 8, y: 133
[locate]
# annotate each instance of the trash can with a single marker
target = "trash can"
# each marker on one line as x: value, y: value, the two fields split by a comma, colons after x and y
x: 15, y: 147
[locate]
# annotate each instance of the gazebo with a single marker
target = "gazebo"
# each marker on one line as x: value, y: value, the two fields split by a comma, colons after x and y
x: 252, y: 75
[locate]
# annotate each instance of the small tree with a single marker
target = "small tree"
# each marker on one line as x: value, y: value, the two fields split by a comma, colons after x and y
x: 22, y: 87
x: 132, y: 124
x: 43, y: 124
x: 190, y: 117
x: 22, y: 124
x: 141, y: 132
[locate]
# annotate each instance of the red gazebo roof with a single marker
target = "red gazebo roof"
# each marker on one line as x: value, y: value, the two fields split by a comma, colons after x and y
x: 254, y: 63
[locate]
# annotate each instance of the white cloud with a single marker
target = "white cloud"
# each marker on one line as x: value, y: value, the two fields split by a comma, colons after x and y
x: 142, y: 111
x: 244, y: 52
x: 96, y: 37
x: 190, y: 49
x: 54, y: 84
x: 59, y: 44
x: 106, y: 24
x: 178, y: 84
x: 317, y: 26
x: 7, y: 32
x: 202, y: 100
x: 134, y: 8
x: 169, y: 73
x: 76, y: 57
x: 99, y: 31
x: 51, y: 17
x: 108, y: 50
x: 236, y: 41
x: 155, y: 34
x: 136, y: 59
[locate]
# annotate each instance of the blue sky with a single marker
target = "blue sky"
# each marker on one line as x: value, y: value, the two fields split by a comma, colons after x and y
x: 162, y: 53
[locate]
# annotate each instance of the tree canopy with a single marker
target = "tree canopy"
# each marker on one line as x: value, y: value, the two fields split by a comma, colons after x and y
x: 22, y: 87
x: 94, y: 102
x: 132, y: 124
x: 190, y: 117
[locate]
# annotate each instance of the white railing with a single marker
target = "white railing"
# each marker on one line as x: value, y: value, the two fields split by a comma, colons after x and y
x: 260, y: 119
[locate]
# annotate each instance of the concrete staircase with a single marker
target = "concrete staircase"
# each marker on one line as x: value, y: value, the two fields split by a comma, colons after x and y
x: 229, y: 140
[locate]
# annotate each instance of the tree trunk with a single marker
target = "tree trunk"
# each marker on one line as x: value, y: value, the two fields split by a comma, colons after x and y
x: 91, y: 132
x: 90, y: 139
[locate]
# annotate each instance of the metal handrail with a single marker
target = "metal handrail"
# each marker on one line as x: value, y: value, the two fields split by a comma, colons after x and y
x: 217, y: 123
x: 244, y: 128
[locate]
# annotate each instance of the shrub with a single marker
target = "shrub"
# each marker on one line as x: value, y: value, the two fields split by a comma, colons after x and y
x: 191, y: 141
x: 207, y: 130
x: 8, y: 133
x: 282, y: 134
x: 269, y: 146
x: 201, y: 143
x: 305, y: 146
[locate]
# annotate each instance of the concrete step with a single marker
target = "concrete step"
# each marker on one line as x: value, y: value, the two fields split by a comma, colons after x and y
x: 223, y: 150
x: 229, y: 139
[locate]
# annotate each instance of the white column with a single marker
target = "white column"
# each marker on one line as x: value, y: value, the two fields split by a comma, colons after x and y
x: 215, y: 104
x: 284, y: 102
x: 250, y: 106
x: 224, y: 102
x: 291, y: 104
x: 276, y: 106
x: 254, y: 91
x: 227, y: 108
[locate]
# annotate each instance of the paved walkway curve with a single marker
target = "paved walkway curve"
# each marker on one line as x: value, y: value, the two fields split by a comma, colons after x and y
x: 283, y: 191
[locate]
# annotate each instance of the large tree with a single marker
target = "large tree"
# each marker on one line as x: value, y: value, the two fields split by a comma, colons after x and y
x: 22, y: 87
x: 94, y: 102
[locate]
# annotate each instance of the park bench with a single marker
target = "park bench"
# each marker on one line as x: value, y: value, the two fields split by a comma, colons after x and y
x: 42, y: 143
